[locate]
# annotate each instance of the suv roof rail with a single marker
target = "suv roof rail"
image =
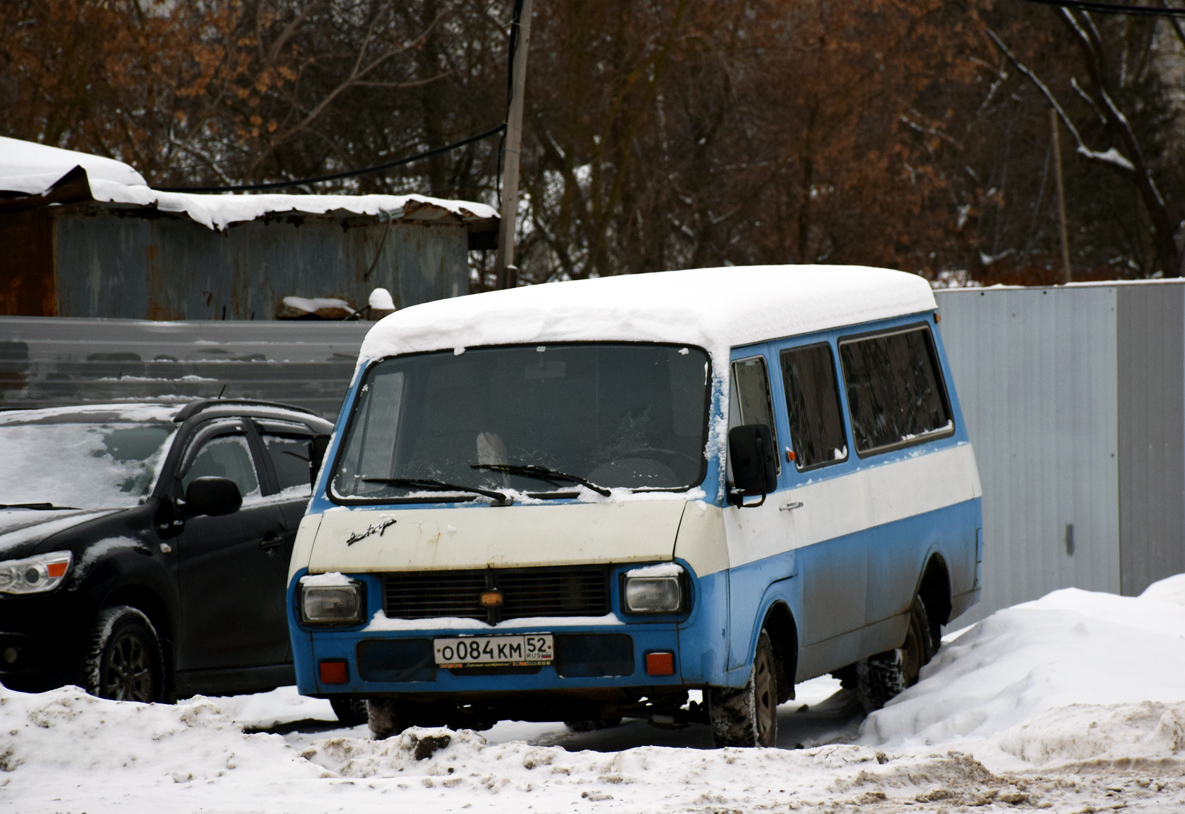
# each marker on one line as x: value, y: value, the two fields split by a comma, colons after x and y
x: 195, y: 407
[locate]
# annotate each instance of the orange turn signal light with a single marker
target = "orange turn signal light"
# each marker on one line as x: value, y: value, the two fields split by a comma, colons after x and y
x: 335, y: 671
x: 661, y: 663
x: 56, y: 569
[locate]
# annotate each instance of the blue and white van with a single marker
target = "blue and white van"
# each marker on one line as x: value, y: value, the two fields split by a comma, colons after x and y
x: 583, y: 501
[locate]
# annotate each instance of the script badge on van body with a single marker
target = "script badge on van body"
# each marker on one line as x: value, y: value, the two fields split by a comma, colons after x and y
x: 528, y: 650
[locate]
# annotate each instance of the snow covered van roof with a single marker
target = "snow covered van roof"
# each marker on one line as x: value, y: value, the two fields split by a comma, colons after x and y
x: 36, y: 170
x: 713, y: 308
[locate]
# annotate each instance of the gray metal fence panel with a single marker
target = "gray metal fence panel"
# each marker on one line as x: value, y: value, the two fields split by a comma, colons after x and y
x: 1036, y: 374
x: 1151, y: 399
x: 57, y: 361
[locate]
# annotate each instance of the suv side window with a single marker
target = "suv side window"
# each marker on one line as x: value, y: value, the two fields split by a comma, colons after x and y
x: 224, y: 456
x: 812, y: 401
x: 895, y: 391
x: 752, y: 398
x: 288, y: 450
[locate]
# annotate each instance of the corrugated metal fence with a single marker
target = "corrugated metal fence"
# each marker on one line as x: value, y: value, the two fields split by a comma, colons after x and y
x: 1074, y: 399
x: 55, y: 361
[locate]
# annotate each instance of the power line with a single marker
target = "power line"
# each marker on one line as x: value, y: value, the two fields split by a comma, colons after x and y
x: 1114, y: 8
x: 339, y: 175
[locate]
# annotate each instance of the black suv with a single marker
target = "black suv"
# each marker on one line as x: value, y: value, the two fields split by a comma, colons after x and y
x: 144, y: 547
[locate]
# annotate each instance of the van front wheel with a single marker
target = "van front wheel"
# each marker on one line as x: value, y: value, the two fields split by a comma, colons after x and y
x: 748, y: 716
x: 388, y: 717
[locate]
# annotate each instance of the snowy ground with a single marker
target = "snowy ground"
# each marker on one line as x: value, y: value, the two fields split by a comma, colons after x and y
x: 1074, y: 703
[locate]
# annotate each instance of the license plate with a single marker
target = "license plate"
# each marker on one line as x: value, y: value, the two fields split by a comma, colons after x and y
x: 528, y: 650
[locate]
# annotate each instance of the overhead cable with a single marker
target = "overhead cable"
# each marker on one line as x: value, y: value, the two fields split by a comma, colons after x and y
x: 339, y: 175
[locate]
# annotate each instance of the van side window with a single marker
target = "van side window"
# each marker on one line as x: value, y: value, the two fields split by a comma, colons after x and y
x: 895, y: 392
x: 752, y: 395
x: 812, y: 400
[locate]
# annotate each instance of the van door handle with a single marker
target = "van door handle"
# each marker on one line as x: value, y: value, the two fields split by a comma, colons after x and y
x: 789, y: 507
x: 271, y: 541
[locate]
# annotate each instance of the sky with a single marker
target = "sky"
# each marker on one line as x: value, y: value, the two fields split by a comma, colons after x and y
x: 1072, y: 703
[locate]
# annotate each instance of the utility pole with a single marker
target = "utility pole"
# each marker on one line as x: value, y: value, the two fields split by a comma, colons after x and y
x: 504, y: 268
x: 1061, y: 196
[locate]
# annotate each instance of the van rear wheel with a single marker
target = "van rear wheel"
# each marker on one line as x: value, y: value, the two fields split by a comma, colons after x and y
x: 748, y: 716
x: 883, y: 677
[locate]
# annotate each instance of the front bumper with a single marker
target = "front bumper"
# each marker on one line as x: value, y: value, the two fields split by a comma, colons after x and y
x: 615, y: 656
x: 43, y: 640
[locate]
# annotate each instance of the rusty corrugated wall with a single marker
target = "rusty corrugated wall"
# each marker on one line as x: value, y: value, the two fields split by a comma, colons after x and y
x: 104, y: 260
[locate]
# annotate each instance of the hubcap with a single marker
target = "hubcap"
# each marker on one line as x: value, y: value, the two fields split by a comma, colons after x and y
x: 128, y: 676
x: 765, y: 700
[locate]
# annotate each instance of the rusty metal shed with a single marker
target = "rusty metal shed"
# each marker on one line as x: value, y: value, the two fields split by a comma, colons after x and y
x: 85, y: 237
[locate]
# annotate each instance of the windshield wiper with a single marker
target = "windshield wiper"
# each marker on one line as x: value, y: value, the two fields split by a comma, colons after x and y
x: 543, y: 473
x: 434, y: 485
x: 37, y: 507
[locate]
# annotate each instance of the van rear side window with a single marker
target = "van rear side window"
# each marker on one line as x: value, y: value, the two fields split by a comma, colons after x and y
x: 895, y: 392
x: 812, y: 402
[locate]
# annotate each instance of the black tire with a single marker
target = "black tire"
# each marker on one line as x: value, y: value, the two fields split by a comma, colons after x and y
x: 124, y: 662
x: 388, y: 717
x: 883, y: 677
x: 748, y: 716
x: 350, y: 710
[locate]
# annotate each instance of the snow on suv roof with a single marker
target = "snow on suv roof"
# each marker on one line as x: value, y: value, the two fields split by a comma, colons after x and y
x: 713, y: 308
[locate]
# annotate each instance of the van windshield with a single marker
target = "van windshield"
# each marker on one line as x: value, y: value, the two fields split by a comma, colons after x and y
x: 537, y: 419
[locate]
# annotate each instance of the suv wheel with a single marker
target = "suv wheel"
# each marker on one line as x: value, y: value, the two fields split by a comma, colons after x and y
x: 124, y: 662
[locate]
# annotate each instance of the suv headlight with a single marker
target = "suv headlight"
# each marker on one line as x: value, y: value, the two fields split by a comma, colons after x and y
x: 35, y: 575
x: 654, y: 589
x: 331, y: 599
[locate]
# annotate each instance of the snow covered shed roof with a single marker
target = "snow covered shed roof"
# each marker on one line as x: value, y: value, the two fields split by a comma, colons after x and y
x: 713, y: 308
x: 34, y: 174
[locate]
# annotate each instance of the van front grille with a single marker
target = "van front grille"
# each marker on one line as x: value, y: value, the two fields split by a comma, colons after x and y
x: 526, y: 593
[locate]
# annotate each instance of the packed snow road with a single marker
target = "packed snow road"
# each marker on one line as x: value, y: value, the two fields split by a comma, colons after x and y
x: 1073, y: 703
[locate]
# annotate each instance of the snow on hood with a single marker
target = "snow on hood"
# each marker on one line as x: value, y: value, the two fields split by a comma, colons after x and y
x: 34, y: 169
x: 21, y: 530
x: 713, y: 308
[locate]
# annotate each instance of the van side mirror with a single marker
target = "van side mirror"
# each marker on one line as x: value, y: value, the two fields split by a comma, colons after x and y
x: 212, y: 496
x: 754, y: 468
x: 317, y: 448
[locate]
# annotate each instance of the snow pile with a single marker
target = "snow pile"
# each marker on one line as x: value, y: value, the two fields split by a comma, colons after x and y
x: 647, y: 778
x: 1071, y: 676
x: 57, y: 743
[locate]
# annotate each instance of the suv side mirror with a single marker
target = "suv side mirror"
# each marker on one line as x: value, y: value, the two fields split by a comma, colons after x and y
x: 317, y: 448
x: 212, y: 496
x: 754, y: 469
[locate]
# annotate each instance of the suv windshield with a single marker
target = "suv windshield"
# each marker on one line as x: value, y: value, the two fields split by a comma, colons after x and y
x: 78, y: 461
x: 529, y: 418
